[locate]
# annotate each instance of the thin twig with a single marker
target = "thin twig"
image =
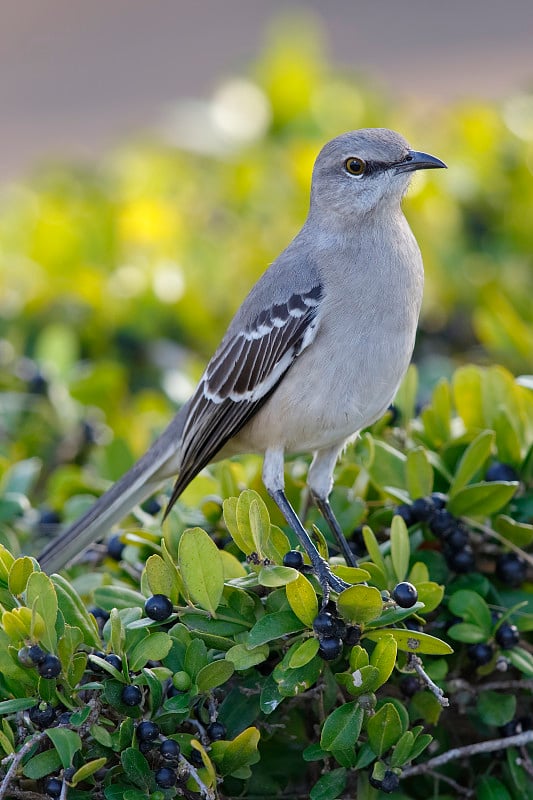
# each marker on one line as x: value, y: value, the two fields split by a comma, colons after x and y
x: 459, y: 684
x: 495, y: 535
x: 469, y: 750
x: 525, y: 761
x: 450, y: 781
x: 16, y: 758
x: 204, y: 790
x: 415, y: 662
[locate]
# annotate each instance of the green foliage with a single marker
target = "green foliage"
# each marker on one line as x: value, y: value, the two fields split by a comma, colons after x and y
x: 102, y: 268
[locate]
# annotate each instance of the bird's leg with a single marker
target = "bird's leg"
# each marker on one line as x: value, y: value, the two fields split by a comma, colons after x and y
x: 323, y: 505
x: 274, y: 484
x: 320, y: 482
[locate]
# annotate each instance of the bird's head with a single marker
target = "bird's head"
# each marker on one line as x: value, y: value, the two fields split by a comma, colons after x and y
x: 363, y: 170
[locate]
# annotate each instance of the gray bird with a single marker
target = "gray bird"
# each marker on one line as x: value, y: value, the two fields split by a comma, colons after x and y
x: 314, y: 354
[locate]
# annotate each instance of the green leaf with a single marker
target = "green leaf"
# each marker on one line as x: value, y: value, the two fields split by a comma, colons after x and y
x: 195, y: 658
x: 360, y: 681
x: 466, y: 385
x: 521, y: 659
x: 384, y: 728
x: 160, y: 577
x: 87, y: 770
x: 272, y: 626
x: 242, y: 537
x: 17, y: 704
x: 430, y: 594
x: 243, y: 657
x: 330, y: 786
x: 372, y: 546
x: 412, y: 641
x: 519, y: 533
x: 75, y: 612
x: 303, y: 653
x: 496, y: 708
x: 424, y: 740
x: 19, y: 573
x: 275, y: 544
x: 384, y: 657
x: 153, y: 648
x: 201, y: 568
x: 292, y: 682
x: 490, y: 788
x: 402, y: 749
x: 350, y: 574
x: 274, y: 575
x: 66, y: 742
x: 467, y: 632
x: 472, y: 461
x: 42, y: 599
x: 472, y: 608
x: 42, y: 764
x: 119, y: 597
x: 241, y: 752
x: 400, y: 547
x: 342, y: 728
x: 214, y: 674
x: 482, y: 499
x: 360, y: 604
x: 302, y: 599
x: 137, y: 769
x: 418, y: 474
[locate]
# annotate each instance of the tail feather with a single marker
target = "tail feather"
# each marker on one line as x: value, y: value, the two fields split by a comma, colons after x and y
x: 136, y: 485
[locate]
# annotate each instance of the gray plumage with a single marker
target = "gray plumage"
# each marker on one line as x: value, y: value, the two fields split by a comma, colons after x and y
x: 315, y: 353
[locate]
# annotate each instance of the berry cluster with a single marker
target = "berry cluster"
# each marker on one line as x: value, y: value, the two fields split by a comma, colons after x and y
x: 48, y: 666
x: 452, y: 532
x: 332, y: 633
x: 506, y: 636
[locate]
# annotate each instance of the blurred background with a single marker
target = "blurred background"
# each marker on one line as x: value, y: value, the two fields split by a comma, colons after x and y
x: 155, y: 157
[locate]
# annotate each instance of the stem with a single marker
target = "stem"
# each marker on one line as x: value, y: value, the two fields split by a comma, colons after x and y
x: 490, y: 746
x: 16, y: 759
x: 416, y: 663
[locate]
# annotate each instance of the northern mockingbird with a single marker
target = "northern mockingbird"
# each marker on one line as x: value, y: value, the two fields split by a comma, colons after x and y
x: 315, y: 352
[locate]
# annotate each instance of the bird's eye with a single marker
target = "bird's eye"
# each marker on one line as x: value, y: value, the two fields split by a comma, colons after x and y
x: 355, y: 166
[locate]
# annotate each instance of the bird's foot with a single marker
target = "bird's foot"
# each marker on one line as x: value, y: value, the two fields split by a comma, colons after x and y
x: 327, y: 580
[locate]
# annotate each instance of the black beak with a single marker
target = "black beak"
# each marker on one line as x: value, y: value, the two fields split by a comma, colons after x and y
x: 416, y: 160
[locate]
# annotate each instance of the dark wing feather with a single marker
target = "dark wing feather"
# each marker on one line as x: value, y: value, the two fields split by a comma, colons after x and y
x: 240, y: 377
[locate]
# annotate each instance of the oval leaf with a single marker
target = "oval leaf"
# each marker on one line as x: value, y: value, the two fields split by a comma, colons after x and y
x: 201, y: 568
x: 152, y: 648
x: 384, y: 729
x: 412, y: 641
x: 302, y: 599
x: 482, y: 499
x: 342, y: 728
x: 214, y: 674
x: 360, y: 604
x: 472, y: 460
x: 400, y: 547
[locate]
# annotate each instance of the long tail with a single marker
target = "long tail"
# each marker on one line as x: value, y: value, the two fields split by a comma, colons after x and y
x: 134, y: 487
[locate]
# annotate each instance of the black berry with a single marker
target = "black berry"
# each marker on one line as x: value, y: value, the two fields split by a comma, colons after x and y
x: 147, y: 731
x: 115, y: 547
x: 352, y: 635
x: 50, y: 667
x: 42, y: 715
x: 507, y: 635
x: 329, y: 648
x: 196, y: 758
x: 145, y: 747
x: 131, y: 696
x: 423, y: 509
x: 99, y: 614
x: 480, y: 653
x: 151, y: 506
x: 498, y: 471
x: 413, y: 625
x: 169, y: 749
x: 48, y: 521
x: 36, y: 654
x: 409, y: 685
x: 406, y: 513
x: 37, y: 384
x: 324, y: 624
x: 442, y: 523
x: 439, y: 500
x: 457, y: 538
x: 390, y: 782
x: 158, y: 607
x: 165, y: 777
x: 52, y: 787
x: 510, y: 728
x: 216, y: 730
x: 294, y: 559
x: 114, y: 660
x: 461, y: 561
x: 511, y: 569
x: 405, y: 594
